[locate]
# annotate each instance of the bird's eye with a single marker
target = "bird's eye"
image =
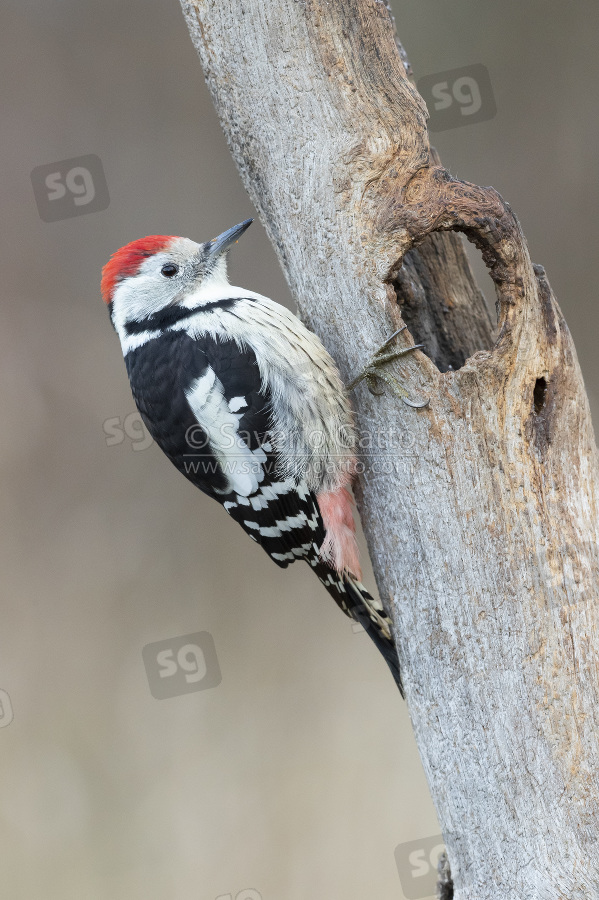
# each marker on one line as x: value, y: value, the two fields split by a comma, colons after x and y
x: 169, y: 270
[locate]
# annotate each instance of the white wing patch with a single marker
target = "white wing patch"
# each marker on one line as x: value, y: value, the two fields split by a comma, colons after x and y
x: 241, y: 466
x: 237, y: 403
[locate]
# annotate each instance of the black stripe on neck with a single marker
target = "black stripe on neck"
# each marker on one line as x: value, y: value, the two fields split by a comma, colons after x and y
x: 170, y: 315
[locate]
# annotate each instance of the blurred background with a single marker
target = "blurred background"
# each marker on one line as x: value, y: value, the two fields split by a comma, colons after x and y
x: 291, y: 772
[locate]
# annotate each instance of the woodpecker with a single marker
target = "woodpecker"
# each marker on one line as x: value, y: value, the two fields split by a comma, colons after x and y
x: 247, y: 404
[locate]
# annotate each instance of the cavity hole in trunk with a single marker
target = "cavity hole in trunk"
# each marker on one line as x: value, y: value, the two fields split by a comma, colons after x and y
x: 441, y: 303
x: 539, y: 395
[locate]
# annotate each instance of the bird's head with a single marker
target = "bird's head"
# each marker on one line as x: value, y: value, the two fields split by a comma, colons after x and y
x: 154, y: 273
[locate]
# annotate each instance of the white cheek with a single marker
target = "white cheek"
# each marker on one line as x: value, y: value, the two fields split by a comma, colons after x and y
x: 138, y: 298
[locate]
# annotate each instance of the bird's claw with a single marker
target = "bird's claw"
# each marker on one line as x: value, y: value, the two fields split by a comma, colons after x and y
x: 372, y: 373
x: 371, y: 380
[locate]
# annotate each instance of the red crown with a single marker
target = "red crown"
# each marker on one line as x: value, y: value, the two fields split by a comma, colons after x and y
x: 128, y: 259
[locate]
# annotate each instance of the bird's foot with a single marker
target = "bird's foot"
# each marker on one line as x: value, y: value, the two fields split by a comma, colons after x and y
x: 372, y: 372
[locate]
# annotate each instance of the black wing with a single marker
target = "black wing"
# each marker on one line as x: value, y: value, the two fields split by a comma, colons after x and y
x: 279, y: 513
x: 161, y: 373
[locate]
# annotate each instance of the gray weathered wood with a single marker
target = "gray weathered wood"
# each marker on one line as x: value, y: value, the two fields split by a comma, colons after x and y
x: 481, y: 514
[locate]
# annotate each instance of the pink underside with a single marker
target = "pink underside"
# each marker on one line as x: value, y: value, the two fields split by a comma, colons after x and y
x: 339, y: 547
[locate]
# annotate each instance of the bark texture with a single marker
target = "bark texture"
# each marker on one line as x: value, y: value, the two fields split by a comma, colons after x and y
x: 480, y: 511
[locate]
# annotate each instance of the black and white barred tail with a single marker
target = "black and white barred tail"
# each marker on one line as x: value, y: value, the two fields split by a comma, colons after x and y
x: 285, y: 519
x: 355, y: 601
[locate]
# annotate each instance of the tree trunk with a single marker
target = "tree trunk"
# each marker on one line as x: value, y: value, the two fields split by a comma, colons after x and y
x: 481, y: 510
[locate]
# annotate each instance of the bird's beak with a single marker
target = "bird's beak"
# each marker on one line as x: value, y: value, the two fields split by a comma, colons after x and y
x: 221, y: 243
